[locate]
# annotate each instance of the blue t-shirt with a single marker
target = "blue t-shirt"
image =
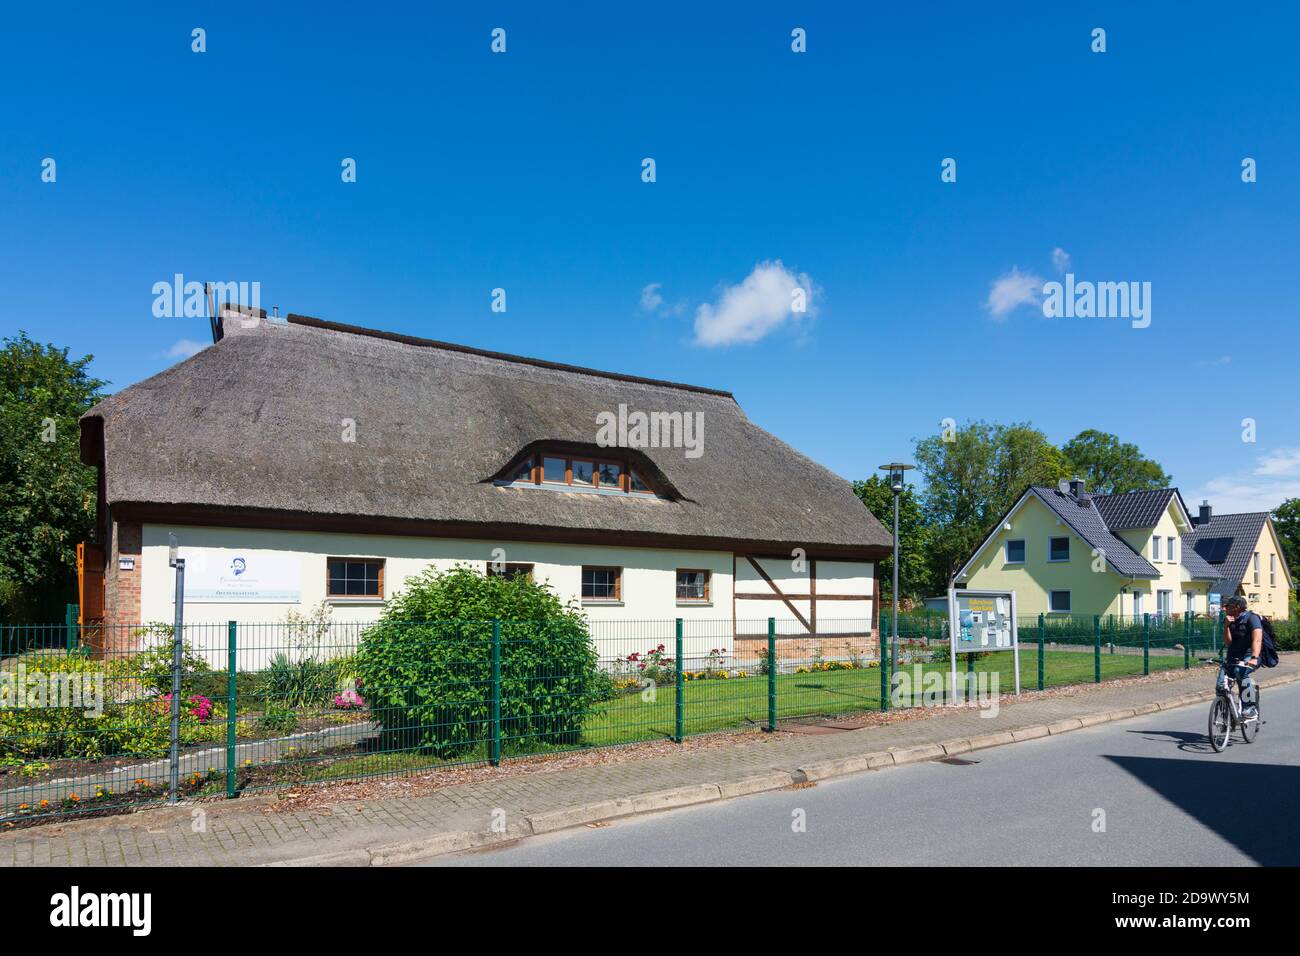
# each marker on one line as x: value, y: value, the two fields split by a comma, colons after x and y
x: 1242, y: 630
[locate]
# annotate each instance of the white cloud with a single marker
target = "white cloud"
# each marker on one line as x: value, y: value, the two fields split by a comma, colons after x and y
x: 1011, y: 291
x: 1274, y: 478
x: 651, y: 299
x: 759, y: 305
x: 1060, y: 260
x: 184, y: 348
x: 1221, y: 360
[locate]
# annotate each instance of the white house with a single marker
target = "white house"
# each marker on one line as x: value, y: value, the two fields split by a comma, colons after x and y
x: 304, y: 461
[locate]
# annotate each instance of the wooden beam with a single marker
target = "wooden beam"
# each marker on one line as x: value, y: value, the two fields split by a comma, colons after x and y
x: 772, y: 584
x: 812, y: 594
x: 804, y: 597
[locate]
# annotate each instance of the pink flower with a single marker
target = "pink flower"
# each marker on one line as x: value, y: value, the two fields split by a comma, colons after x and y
x: 349, y: 700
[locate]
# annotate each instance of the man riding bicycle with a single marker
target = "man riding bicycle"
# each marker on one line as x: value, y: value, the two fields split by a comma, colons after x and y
x: 1243, y: 640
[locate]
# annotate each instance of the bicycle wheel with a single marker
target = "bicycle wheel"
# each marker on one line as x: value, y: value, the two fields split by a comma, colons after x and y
x: 1220, y: 724
x: 1249, y: 728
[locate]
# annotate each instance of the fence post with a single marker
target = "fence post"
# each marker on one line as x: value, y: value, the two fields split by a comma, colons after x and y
x: 771, y: 674
x: 1042, y: 646
x: 494, y: 753
x: 1146, y: 644
x: 681, y: 683
x: 178, y: 645
x: 231, y: 628
x: 70, y: 628
x: 1096, y: 649
x: 884, y: 664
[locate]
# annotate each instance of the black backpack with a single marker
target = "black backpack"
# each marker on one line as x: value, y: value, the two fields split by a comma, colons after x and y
x: 1268, y: 649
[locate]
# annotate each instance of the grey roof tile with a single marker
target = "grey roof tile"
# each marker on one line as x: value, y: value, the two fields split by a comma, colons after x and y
x: 1134, y: 509
x: 1086, y: 521
x: 1228, y: 541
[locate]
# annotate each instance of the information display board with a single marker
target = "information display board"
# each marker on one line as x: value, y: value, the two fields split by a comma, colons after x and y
x: 982, y: 621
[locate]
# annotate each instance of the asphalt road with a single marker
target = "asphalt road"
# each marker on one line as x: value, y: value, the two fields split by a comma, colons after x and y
x: 1167, y: 799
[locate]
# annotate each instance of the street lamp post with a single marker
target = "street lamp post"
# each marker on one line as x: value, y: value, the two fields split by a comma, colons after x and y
x: 895, y: 470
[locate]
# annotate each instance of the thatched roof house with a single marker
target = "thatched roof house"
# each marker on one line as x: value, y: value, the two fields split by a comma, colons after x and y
x: 311, y: 426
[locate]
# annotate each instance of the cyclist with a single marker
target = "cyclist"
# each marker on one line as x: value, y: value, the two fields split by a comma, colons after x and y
x: 1243, y: 639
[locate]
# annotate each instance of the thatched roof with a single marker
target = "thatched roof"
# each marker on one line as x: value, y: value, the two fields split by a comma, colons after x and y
x: 254, y: 424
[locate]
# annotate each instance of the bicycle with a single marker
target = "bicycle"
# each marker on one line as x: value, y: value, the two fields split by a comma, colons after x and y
x: 1227, y: 710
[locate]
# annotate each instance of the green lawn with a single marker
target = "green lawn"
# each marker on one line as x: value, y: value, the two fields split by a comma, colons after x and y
x: 720, y: 704
x: 710, y: 705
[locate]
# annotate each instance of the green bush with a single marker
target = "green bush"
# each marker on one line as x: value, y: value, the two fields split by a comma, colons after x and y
x: 425, y: 668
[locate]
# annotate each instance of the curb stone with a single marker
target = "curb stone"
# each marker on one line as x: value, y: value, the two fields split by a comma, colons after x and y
x: 759, y: 783
x: 676, y: 797
x: 1030, y: 733
x: 555, y: 820
x: 1063, y: 726
x: 578, y: 816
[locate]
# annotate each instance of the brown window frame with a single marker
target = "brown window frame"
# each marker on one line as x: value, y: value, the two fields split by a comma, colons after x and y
x: 708, y: 586
x: 511, y: 566
x: 536, y: 472
x: 332, y: 596
x: 618, y: 584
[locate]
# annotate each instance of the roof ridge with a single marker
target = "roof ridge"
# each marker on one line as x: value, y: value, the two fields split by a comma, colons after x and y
x: 308, y: 321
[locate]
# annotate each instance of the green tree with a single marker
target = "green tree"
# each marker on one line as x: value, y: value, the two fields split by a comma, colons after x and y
x: 972, y: 475
x: 1110, y: 466
x: 914, y: 577
x: 47, y: 497
x: 1286, y: 520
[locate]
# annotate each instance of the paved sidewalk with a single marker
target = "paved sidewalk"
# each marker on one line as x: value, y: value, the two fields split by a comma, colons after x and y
x: 504, y: 805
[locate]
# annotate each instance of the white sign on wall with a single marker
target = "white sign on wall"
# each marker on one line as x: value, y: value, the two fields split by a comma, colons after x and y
x: 231, y: 576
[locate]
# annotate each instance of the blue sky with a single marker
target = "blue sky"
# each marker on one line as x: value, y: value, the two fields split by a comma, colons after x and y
x: 522, y: 171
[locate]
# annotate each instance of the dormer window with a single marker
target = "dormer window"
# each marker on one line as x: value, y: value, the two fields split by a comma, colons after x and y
x: 576, y: 473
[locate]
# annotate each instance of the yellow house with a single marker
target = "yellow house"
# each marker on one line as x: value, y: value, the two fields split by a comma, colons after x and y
x: 1245, y: 550
x: 1065, y: 551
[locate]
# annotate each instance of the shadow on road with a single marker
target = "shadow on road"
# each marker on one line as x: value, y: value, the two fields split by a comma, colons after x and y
x: 1249, y: 805
x: 1187, y: 742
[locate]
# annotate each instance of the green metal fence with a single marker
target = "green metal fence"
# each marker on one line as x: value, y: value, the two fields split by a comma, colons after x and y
x: 85, y: 720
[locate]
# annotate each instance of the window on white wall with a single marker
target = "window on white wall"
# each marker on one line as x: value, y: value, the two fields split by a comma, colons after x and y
x: 692, y: 585
x: 1171, y: 546
x: 509, y: 570
x: 1155, y: 547
x: 602, y: 584
x: 1016, y: 551
x: 354, y: 578
x: 1058, y: 549
x: 1256, y: 567
x: 1272, y: 570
